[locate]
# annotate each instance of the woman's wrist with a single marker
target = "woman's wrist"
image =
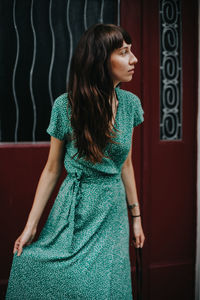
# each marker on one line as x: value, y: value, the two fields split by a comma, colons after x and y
x: 136, y: 220
x: 136, y: 216
x: 31, y: 224
x: 133, y: 205
x: 135, y: 211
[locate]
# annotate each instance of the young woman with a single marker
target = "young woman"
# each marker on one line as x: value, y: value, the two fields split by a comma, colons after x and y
x: 83, y: 249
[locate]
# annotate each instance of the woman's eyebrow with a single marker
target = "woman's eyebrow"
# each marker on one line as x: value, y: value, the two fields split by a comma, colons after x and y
x: 125, y: 47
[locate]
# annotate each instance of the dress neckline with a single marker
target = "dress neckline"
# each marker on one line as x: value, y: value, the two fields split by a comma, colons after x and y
x: 118, y: 106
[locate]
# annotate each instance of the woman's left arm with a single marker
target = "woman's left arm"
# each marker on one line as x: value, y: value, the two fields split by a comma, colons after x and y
x: 128, y: 178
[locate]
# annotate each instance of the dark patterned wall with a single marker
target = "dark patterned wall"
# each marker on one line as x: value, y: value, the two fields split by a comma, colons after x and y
x: 37, y: 39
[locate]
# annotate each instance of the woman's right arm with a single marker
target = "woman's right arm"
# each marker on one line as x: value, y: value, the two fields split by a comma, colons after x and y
x: 46, y: 185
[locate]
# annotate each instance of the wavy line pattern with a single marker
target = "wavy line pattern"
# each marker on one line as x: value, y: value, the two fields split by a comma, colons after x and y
x: 14, y: 73
x: 31, y: 75
x: 85, y: 15
x: 101, y: 11
x: 71, y: 40
x: 51, y: 25
x: 53, y: 51
x: 118, y: 12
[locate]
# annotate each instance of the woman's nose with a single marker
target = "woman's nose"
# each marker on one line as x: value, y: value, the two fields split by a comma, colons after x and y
x: 133, y: 59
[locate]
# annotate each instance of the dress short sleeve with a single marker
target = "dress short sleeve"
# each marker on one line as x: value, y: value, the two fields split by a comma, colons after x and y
x: 59, y: 122
x: 138, y: 112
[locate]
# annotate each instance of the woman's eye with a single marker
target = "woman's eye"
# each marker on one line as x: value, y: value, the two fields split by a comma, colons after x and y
x: 124, y: 52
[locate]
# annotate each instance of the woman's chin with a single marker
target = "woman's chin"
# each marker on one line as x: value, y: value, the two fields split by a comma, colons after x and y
x: 127, y: 79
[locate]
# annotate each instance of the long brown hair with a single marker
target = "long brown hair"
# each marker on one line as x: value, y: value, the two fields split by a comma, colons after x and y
x: 91, y: 90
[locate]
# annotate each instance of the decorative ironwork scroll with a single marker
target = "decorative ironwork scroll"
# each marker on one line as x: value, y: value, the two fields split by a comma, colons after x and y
x: 170, y: 70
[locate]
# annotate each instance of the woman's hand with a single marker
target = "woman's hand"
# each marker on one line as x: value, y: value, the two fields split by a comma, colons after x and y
x: 24, y: 239
x: 138, y: 234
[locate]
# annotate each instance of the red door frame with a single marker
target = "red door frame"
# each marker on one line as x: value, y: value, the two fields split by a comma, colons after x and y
x: 165, y: 171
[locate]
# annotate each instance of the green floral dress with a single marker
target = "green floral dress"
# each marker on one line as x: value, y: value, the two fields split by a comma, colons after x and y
x: 83, y: 250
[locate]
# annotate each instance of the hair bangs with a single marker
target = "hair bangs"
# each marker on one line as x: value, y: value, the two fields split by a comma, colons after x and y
x: 117, y: 36
x: 111, y: 37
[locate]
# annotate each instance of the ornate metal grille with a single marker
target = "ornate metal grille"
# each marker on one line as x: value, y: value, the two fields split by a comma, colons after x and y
x: 36, y: 45
x: 170, y: 70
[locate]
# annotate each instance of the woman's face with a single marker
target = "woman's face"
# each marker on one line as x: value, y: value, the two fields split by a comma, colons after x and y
x: 122, y: 63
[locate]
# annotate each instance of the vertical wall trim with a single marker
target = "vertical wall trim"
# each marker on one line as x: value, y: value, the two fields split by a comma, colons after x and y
x: 31, y: 75
x: 101, y: 11
x: 197, y: 271
x: 14, y: 73
x: 71, y: 41
x: 118, y: 12
x: 85, y: 15
x: 52, y: 53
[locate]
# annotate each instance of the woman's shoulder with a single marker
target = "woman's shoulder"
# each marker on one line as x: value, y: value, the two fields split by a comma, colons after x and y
x: 61, y: 107
x: 134, y: 106
x: 61, y: 103
x: 61, y: 100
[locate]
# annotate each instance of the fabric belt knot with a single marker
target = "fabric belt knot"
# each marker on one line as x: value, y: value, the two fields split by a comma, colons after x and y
x: 78, y: 174
x: 74, y: 182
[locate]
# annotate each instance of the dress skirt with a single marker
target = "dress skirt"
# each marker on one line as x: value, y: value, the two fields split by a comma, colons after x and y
x: 83, y: 250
